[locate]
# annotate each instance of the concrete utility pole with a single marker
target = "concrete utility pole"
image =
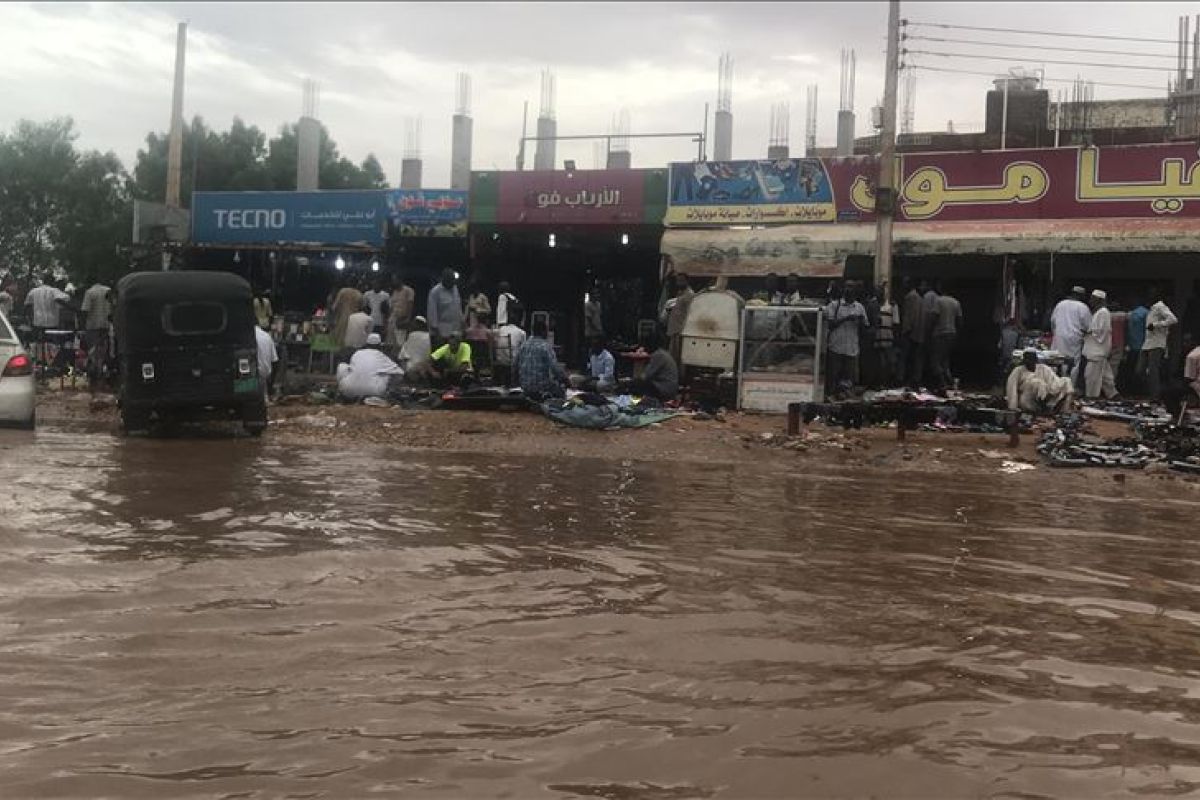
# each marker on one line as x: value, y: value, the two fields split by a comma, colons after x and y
x: 885, y: 192
x: 175, y: 137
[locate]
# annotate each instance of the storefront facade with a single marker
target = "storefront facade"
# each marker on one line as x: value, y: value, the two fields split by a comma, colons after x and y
x: 1006, y: 231
x: 554, y: 235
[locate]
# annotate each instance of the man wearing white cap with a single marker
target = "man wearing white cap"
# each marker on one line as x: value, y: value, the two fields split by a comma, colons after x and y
x: 368, y: 373
x: 1097, y: 347
x: 1070, y: 321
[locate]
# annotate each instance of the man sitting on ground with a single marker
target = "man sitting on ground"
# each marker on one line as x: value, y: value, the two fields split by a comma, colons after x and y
x: 536, y: 367
x: 601, y: 367
x: 368, y: 373
x: 660, y: 379
x: 414, y: 353
x: 1034, y: 388
x: 451, y: 363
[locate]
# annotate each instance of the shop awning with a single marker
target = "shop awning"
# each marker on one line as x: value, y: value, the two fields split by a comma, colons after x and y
x: 821, y: 250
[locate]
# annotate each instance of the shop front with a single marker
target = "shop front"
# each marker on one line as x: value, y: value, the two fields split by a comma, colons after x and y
x: 1006, y: 232
x: 556, y: 236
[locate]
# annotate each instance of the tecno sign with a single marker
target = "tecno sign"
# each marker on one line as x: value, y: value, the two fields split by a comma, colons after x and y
x: 250, y: 218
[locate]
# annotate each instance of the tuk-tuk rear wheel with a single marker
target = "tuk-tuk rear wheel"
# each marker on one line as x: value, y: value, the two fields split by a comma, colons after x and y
x: 134, y: 421
x: 254, y: 419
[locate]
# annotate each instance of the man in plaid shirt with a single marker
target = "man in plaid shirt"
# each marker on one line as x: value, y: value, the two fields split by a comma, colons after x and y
x: 536, y: 367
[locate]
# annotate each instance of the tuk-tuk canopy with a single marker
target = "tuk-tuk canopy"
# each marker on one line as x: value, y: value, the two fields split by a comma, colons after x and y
x: 154, y: 309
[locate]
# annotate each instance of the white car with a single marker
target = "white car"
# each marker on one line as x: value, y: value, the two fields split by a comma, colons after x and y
x: 17, y: 390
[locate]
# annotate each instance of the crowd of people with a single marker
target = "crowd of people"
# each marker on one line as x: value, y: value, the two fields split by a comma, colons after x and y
x: 385, y: 346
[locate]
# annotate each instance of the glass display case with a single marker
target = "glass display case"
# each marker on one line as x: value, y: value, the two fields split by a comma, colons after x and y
x: 780, y: 357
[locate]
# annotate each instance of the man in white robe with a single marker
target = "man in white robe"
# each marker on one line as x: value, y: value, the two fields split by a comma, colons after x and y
x: 1097, y: 347
x: 1069, y: 321
x: 368, y: 373
x: 1034, y: 388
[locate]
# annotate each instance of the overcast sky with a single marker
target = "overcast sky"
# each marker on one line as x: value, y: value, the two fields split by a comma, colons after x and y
x: 110, y: 66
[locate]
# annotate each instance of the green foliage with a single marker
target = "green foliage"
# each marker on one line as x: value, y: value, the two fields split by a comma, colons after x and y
x: 242, y: 159
x: 59, y: 208
x: 62, y: 209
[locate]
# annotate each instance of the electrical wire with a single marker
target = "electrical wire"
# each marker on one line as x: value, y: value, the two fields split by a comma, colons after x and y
x: 1168, y: 70
x: 1042, y: 47
x: 1037, y: 33
x: 1049, y: 80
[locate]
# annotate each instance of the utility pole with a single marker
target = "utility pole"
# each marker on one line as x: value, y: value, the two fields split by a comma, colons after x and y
x: 885, y: 192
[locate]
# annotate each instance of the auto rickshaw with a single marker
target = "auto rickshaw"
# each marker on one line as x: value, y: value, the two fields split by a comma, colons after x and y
x: 186, y: 350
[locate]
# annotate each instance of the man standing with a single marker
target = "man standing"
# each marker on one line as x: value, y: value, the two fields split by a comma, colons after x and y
x: 929, y: 300
x: 1154, y: 348
x: 1116, y: 356
x: 843, y: 318
x: 402, y: 302
x: 509, y: 338
x: 678, y: 316
x: 97, y: 311
x: 445, y: 310
x: 503, y: 300
x: 593, y: 320
x: 478, y: 306
x: 1069, y: 321
x: 536, y: 367
x: 912, y: 336
x: 347, y: 301
x: 1097, y: 347
x: 1135, y: 337
x: 1034, y: 388
x: 267, y: 358
x: 377, y: 303
x: 948, y: 317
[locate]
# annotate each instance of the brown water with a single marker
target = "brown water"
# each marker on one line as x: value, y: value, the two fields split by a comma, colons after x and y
x: 239, y: 619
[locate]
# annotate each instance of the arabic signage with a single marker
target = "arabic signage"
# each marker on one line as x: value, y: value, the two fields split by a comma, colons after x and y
x: 1140, y: 181
x: 746, y: 192
x: 581, y: 197
x: 428, y: 212
x: 269, y: 217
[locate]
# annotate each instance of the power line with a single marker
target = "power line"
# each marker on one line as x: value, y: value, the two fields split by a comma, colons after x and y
x: 1044, y: 47
x: 1049, y: 80
x: 1169, y: 70
x: 1040, y: 33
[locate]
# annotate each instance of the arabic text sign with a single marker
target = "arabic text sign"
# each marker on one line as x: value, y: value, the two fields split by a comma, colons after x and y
x: 266, y: 217
x: 580, y: 197
x: 1064, y: 183
x: 787, y: 190
x: 428, y: 212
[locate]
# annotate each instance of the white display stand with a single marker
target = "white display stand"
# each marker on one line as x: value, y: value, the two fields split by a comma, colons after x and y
x: 781, y: 357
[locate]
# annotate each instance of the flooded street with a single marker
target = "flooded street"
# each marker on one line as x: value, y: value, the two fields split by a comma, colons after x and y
x: 237, y: 618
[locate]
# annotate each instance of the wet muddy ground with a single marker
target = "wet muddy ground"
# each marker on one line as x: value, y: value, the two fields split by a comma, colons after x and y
x: 687, y: 611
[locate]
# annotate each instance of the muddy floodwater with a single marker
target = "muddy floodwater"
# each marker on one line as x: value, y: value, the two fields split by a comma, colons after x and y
x: 243, y: 619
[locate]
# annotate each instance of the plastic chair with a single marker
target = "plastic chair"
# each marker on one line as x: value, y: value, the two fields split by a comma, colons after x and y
x: 322, y: 343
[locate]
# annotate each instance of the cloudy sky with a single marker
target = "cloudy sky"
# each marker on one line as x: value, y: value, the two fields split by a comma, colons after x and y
x: 109, y: 66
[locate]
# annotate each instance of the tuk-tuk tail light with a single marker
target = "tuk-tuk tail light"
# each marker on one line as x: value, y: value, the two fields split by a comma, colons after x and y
x: 243, y: 366
x: 147, y: 372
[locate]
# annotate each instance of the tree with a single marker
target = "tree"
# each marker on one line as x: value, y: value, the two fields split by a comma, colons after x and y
x: 60, y: 209
x: 242, y: 159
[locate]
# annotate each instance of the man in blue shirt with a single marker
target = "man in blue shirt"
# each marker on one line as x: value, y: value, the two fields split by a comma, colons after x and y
x: 1135, y: 337
x: 536, y: 367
